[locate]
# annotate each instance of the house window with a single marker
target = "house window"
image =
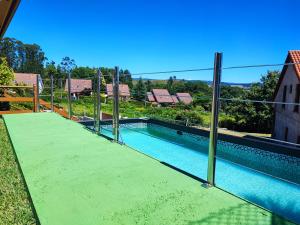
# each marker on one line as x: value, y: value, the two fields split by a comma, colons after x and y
x: 297, y: 98
x: 291, y: 89
x: 284, y: 96
x: 286, y: 133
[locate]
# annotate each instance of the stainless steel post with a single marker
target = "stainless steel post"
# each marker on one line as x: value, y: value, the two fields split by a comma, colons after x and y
x: 116, y: 131
x: 37, y: 93
x: 52, y: 93
x: 98, y: 127
x: 213, y: 136
x: 69, y: 96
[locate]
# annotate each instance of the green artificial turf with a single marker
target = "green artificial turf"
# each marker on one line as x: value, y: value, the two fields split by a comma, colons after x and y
x: 77, y: 177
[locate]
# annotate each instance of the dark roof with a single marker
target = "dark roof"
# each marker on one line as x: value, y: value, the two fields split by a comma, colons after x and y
x: 150, y: 97
x: 292, y: 57
x: 123, y: 90
x: 175, y: 99
x: 7, y: 11
x: 162, y: 96
x: 185, y: 98
x: 28, y: 79
x: 79, y: 85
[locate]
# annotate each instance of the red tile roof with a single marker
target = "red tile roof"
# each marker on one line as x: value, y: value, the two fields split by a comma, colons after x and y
x: 175, y: 99
x: 292, y: 57
x: 150, y: 97
x: 295, y: 58
x: 185, y: 98
x: 123, y: 90
x: 28, y: 79
x: 162, y: 96
x: 79, y: 85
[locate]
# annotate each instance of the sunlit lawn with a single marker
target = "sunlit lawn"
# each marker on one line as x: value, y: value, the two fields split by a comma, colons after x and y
x: 15, y: 206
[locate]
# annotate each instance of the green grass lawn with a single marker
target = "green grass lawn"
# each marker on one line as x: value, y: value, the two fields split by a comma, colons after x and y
x: 15, y: 206
x: 137, y: 109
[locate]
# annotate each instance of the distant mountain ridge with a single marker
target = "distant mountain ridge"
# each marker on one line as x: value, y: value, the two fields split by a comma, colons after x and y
x: 242, y: 85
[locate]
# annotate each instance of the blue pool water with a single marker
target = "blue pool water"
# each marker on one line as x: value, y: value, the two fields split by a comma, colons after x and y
x: 268, y: 179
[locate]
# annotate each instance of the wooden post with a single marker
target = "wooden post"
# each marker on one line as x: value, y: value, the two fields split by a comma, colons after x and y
x: 35, y: 98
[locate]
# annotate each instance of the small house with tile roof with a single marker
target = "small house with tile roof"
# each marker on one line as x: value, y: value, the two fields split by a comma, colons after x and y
x: 185, y: 98
x: 162, y: 96
x: 287, y: 116
x: 175, y: 99
x: 124, y: 91
x: 29, y: 79
x: 79, y: 87
x: 150, y: 97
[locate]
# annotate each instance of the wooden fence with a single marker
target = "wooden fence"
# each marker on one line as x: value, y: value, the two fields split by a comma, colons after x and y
x: 8, y: 98
x: 35, y: 100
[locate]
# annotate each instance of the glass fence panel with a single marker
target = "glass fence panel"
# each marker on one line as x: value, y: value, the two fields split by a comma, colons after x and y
x: 167, y: 117
x: 258, y: 158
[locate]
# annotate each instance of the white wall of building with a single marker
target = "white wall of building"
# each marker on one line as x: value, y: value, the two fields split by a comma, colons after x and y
x: 287, y: 118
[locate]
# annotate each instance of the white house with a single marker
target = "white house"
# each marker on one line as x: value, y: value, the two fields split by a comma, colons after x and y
x: 287, y: 116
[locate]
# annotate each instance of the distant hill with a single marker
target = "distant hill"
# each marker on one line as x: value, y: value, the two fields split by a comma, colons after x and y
x: 232, y: 84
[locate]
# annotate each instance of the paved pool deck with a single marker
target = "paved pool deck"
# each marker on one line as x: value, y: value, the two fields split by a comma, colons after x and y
x: 76, y: 177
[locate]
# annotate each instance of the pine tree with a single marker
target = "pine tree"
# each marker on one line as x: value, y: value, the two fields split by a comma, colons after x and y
x: 139, y: 91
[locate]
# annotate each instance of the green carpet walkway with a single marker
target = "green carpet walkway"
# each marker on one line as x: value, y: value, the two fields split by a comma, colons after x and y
x: 76, y: 177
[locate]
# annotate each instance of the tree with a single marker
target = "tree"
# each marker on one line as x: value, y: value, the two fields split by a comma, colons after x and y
x: 170, y: 82
x: 6, y: 78
x: 28, y: 58
x: 256, y: 116
x: 50, y: 69
x: 149, y: 85
x: 103, y: 84
x: 139, y: 90
x: 6, y: 73
x: 107, y: 73
x: 8, y: 49
x: 179, y: 86
x: 198, y: 87
x: 125, y: 78
x: 67, y: 65
x: 34, y: 59
x: 83, y: 72
x: 228, y: 92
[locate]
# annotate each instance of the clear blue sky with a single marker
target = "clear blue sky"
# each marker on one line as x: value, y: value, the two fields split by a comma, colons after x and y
x: 162, y: 34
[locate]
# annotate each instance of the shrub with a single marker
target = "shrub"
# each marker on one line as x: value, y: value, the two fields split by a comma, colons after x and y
x: 6, y: 73
x: 192, y: 117
x: 6, y: 78
x: 227, y: 122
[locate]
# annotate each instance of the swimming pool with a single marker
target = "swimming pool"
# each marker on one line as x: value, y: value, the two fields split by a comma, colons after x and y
x: 265, y: 178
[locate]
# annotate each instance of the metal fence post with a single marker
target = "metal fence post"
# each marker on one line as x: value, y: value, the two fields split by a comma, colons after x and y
x: 37, y: 93
x: 98, y: 110
x: 213, y: 136
x: 116, y: 131
x: 52, y: 93
x: 69, y: 96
